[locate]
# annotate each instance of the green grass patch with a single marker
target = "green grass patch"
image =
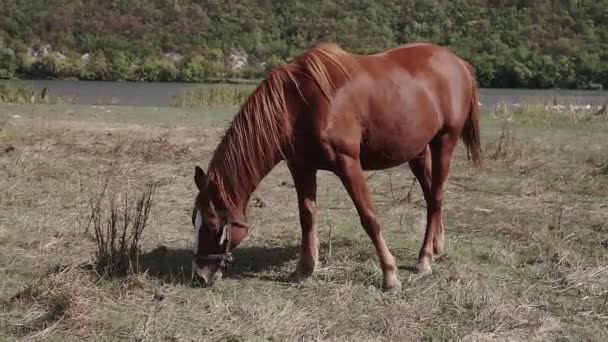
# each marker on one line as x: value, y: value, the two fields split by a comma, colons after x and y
x: 23, y: 94
x: 16, y: 94
x: 204, y: 96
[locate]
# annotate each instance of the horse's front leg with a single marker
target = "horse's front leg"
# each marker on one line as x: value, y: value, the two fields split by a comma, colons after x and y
x: 305, y: 180
x: 351, y: 175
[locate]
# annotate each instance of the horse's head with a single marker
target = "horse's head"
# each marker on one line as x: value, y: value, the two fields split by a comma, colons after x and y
x: 216, y: 232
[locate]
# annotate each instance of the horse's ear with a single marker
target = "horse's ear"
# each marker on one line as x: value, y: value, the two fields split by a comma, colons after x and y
x: 200, y: 178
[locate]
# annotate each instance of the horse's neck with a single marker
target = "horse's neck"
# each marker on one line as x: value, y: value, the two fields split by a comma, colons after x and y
x: 252, y: 145
x: 235, y: 185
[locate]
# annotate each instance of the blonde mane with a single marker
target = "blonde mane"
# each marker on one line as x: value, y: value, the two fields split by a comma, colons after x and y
x: 261, y: 131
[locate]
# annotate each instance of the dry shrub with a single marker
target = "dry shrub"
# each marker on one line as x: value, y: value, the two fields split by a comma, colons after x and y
x: 118, y: 229
x: 507, y: 148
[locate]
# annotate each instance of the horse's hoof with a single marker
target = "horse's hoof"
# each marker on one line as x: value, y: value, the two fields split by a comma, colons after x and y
x: 392, y: 286
x: 297, y: 278
x: 423, y: 267
x: 301, y: 275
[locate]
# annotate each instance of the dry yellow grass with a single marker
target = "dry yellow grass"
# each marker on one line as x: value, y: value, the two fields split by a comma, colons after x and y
x: 526, y: 243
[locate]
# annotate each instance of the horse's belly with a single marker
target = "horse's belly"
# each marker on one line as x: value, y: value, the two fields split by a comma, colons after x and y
x: 390, y: 154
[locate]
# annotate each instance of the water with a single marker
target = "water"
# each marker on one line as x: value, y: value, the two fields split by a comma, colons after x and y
x: 164, y: 94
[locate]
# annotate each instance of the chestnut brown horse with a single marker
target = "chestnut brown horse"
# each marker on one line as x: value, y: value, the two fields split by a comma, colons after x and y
x: 344, y: 113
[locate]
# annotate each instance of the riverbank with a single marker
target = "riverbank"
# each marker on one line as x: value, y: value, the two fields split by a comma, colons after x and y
x: 166, y: 94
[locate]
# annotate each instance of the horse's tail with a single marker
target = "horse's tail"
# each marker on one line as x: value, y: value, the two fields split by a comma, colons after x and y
x: 470, y: 132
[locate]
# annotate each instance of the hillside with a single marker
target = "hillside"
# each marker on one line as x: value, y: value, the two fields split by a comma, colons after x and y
x: 512, y: 43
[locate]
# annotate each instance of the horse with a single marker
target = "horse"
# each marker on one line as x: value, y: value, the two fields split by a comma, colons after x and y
x: 332, y: 110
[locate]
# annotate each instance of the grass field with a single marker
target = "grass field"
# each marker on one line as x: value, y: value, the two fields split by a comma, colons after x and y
x: 526, y: 237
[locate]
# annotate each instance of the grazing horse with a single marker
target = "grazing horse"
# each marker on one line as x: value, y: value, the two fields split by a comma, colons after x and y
x: 332, y: 110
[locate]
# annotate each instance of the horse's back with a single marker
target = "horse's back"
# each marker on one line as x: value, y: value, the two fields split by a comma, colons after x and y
x: 445, y: 76
x: 421, y: 77
x: 401, y: 99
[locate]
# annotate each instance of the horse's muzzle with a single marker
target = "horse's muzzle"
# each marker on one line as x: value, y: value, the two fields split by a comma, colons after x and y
x: 205, y: 275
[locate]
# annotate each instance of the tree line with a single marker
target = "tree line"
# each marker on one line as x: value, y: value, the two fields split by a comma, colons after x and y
x: 511, y: 43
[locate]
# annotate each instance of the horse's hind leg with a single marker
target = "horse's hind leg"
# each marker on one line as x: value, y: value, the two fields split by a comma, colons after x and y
x: 442, y: 148
x: 351, y: 175
x: 421, y: 168
x: 305, y: 181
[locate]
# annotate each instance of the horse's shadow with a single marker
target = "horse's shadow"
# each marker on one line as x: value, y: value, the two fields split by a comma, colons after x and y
x: 175, y: 265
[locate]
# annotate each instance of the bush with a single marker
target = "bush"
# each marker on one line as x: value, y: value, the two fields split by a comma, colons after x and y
x: 8, y: 63
x: 157, y: 69
x: 68, y: 68
x: 217, y: 69
x: 272, y: 63
x: 193, y: 69
x: 120, y: 67
x: 95, y: 68
x: 24, y: 64
x: 46, y: 67
x: 251, y: 72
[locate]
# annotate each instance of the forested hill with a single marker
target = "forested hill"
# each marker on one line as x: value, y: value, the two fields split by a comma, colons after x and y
x: 512, y: 43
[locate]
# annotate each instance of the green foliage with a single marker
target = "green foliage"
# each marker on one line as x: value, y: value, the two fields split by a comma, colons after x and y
x: 24, y: 64
x: 45, y: 67
x: 121, y: 67
x: 193, y: 69
x: 95, y: 67
x: 68, y: 68
x: 216, y: 95
x: 157, y: 69
x: 16, y: 94
x: 8, y: 63
x: 537, y: 44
